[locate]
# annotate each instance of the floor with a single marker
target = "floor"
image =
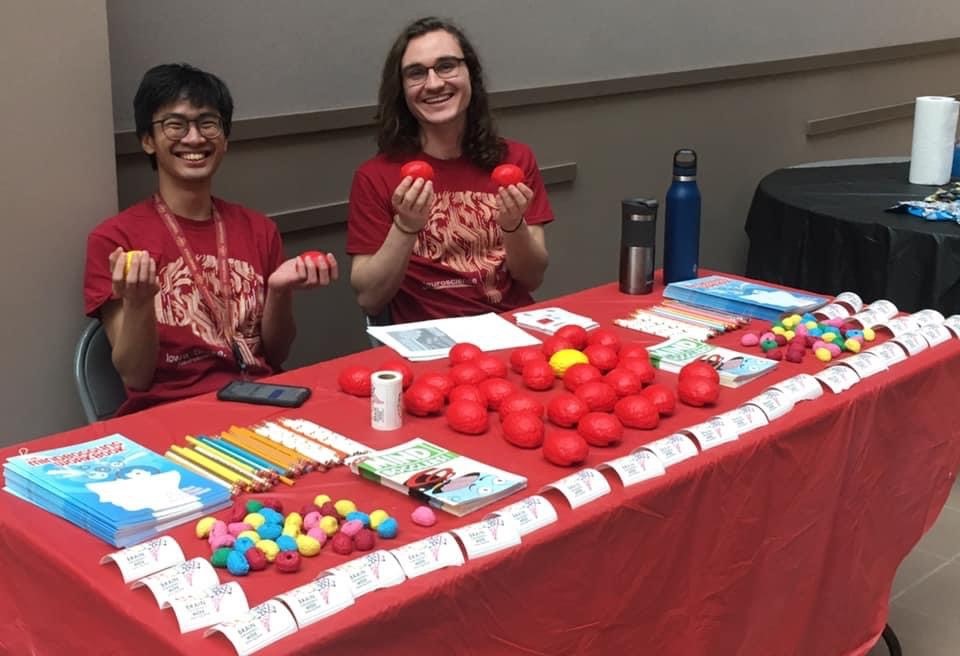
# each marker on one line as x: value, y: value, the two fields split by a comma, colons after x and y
x: 925, y: 601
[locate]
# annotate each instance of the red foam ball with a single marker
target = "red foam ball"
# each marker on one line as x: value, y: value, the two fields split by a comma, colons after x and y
x: 794, y: 355
x: 256, y: 559
x: 775, y: 354
x: 579, y: 374
x: 463, y: 352
x: 238, y: 511
x: 364, y: 539
x: 641, y: 367
x: 287, y: 561
x: 524, y: 429
x: 492, y: 366
x: 697, y: 391
x: 637, y: 412
x: 624, y: 382
x: 576, y: 335
x: 663, y: 397
x: 604, y: 337
x: 273, y: 503
x: 355, y: 380
x: 602, y: 357
x: 329, y: 508
x: 538, y: 375
x: 441, y: 381
x: 600, y: 429
x: 700, y: 369
x: 633, y: 350
x: 553, y: 344
x: 341, y: 544
x: 423, y: 400
x: 468, y: 393
x: 496, y: 390
x: 520, y: 402
x: 467, y: 373
x: 598, y: 395
x: 565, y: 449
x: 401, y: 367
x: 565, y: 409
x: 522, y: 356
x: 468, y: 417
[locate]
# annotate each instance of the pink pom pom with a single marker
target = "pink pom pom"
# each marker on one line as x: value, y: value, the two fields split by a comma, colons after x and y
x: 750, y: 339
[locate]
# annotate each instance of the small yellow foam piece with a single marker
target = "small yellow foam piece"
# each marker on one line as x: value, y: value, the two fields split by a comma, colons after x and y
x: 811, y: 325
x: 789, y: 334
x: 293, y: 530
x: 308, y: 546
x: 269, y: 549
x: 852, y: 345
x: 778, y: 330
x: 321, y: 499
x: 253, y: 535
x: 294, y: 518
x: 823, y: 355
x: 329, y: 524
x: 377, y: 517
x: 828, y: 337
x: 566, y: 358
x: 254, y: 519
x: 869, y: 334
x: 128, y: 261
x: 204, y: 526
x: 345, y: 507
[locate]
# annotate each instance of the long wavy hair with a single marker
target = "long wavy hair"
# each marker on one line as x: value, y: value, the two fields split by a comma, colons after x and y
x: 398, y: 132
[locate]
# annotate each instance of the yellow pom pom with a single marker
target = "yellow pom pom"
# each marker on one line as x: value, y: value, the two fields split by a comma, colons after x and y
x: 789, y: 335
x: 345, y: 507
x: 828, y: 337
x: 308, y: 546
x: 204, y: 526
x: 811, y: 325
x: 293, y: 530
x: 294, y: 518
x: 869, y: 334
x: 329, y: 525
x: 269, y: 549
x: 852, y: 345
x: 377, y: 517
x: 254, y: 519
x: 566, y: 358
x: 823, y: 355
x: 320, y: 499
x: 778, y: 330
x: 253, y: 535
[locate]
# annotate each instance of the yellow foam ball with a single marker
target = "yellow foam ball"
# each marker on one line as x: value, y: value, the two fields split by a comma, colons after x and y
x: 204, y: 526
x: 345, y: 507
x: 852, y: 345
x: 778, y: 330
x: 128, y: 261
x: 254, y: 519
x: 294, y: 518
x: 329, y: 524
x: 377, y: 517
x: 308, y: 546
x: 269, y: 549
x: 320, y: 499
x: 823, y: 355
x: 869, y: 334
x: 811, y: 325
x: 253, y: 535
x: 566, y: 358
x: 293, y: 530
x: 828, y: 337
x: 789, y: 334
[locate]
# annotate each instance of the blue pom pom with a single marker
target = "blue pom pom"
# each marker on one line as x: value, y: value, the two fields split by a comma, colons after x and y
x: 271, y: 516
x: 388, y: 528
x: 237, y: 563
x: 286, y: 543
x: 242, y: 544
x: 362, y: 517
x: 815, y: 332
x: 270, y: 531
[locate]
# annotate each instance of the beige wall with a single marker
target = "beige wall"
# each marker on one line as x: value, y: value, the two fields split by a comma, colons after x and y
x: 57, y: 179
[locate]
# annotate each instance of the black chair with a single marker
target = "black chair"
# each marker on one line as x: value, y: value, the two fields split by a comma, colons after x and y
x: 893, y: 644
x: 382, y: 319
x: 98, y: 383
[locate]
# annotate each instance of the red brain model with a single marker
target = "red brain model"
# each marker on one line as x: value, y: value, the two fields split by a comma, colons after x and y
x: 604, y: 337
x: 467, y: 373
x: 463, y: 352
x: 355, y: 380
x: 700, y: 369
x: 467, y: 393
x: 519, y: 402
x: 598, y: 395
x: 641, y: 367
x: 576, y: 335
x: 553, y: 344
x: 401, y: 368
x: 538, y: 375
x: 565, y: 409
x: 624, y: 382
x: 496, y: 390
x: 441, y: 381
x: 522, y: 356
x: 637, y: 412
x: 422, y: 400
x: 633, y: 350
x: 524, y: 429
x: 493, y: 367
x: 468, y: 417
x: 602, y: 357
x: 565, y: 448
x: 663, y: 397
x: 579, y: 374
x: 600, y: 429
x: 697, y: 391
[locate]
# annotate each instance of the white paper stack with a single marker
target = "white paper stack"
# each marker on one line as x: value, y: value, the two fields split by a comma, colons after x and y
x: 550, y: 320
x: 934, y: 134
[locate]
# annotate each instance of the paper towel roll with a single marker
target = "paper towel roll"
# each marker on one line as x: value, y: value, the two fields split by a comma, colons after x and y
x: 934, y: 133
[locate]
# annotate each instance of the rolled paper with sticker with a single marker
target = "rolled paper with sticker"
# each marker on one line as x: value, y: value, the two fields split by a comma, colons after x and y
x: 385, y: 406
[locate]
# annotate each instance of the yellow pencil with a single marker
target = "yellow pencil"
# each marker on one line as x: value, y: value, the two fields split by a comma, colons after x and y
x: 246, y: 432
x: 274, y: 457
x: 200, y: 471
x: 209, y: 465
x: 256, y: 479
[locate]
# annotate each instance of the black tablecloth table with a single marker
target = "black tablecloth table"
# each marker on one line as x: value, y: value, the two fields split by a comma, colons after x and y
x: 825, y: 229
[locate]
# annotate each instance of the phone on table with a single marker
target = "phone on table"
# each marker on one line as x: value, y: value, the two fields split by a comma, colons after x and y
x: 242, y: 391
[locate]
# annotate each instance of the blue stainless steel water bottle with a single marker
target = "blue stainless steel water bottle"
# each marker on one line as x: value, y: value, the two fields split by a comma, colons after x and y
x: 681, y: 248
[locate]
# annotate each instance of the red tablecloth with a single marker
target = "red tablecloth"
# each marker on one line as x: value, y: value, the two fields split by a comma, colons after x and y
x: 784, y: 542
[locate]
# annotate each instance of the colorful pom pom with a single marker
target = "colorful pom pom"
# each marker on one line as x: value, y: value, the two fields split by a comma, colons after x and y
x: 388, y: 528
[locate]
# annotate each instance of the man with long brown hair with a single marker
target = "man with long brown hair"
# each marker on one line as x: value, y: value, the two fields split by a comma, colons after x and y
x: 459, y: 243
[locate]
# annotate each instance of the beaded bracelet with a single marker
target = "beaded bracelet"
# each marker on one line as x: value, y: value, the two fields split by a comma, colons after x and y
x: 519, y: 223
x: 396, y: 222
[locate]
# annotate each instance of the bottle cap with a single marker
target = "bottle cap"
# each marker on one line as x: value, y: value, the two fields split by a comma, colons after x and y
x: 638, y: 207
x: 685, y: 162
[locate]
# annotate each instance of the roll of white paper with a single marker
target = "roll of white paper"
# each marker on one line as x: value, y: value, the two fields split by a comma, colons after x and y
x: 386, y: 413
x: 934, y: 134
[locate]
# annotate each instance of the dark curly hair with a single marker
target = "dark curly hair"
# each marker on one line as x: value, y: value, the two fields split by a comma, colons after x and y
x: 398, y: 132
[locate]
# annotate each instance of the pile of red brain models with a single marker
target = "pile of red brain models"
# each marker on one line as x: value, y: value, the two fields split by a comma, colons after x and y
x: 586, y: 387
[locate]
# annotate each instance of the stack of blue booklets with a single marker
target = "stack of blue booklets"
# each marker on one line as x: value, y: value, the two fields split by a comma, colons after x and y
x: 742, y: 297
x: 114, y: 488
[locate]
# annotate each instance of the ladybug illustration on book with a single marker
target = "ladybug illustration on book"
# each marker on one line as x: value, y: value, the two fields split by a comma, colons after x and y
x: 442, y: 485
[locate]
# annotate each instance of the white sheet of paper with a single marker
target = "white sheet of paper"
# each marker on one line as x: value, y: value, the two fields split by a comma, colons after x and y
x: 901, y: 325
x: 211, y: 606
x: 146, y: 558
x: 529, y: 514
x: 774, y: 403
x: 428, y: 555
x: 581, y: 487
x: 832, y: 311
x: 884, y: 309
x: 260, y: 626
x: 890, y: 352
x: 192, y: 576
x: 850, y: 298
x: 672, y: 449
x: 924, y: 317
x: 639, y: 466
x: 913, y: 342
x: 953, y: 323
x: 373, y: 571
x: 802, y: 387
x: 551, y: 319
x: 431, y: 340
x: 935, y: 333
x: 326, y: 595
x: 713, y: 432
x: 487, y: 536
x: 745, y: 418
x: 837, y: 378
x: 866, y: 364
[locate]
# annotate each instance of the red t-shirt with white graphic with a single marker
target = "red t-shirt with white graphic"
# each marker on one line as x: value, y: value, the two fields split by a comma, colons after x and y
x: 458, y: 265
x: 193, y: 356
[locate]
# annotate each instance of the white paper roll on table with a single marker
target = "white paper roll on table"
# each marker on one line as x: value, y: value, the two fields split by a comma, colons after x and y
x: 934, y: 134
x: 386, y: 412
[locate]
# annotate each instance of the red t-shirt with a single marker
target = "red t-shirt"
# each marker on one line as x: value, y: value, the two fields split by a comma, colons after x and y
x: 458, y: 265
x: 193, y: 357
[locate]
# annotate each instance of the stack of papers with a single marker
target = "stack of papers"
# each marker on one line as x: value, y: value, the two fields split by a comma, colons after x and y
x: 420, y: 341
x: 114, y: 488
x: 550, y: 320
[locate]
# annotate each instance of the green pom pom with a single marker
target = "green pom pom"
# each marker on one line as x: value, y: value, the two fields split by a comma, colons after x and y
x: 768, y: 344
x: 253, y: 505
x: 220, y: 556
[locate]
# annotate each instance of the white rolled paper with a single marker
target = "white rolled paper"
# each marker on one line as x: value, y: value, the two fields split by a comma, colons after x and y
x: 934, y: 134
x: 386, y: 412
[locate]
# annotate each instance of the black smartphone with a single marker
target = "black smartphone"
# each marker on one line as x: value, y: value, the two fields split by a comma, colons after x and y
x: 242, y: 391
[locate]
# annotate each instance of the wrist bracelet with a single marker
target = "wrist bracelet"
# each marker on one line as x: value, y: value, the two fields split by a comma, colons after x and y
x: 519, y: 223
x: 396, y: 222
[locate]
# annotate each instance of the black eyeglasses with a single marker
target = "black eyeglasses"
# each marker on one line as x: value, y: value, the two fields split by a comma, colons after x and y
x: 176, y: 126
x: 445, y: 68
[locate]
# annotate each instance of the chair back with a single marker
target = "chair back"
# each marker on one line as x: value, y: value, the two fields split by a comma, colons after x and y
x: 385, y: 318
x: 98, y: 383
